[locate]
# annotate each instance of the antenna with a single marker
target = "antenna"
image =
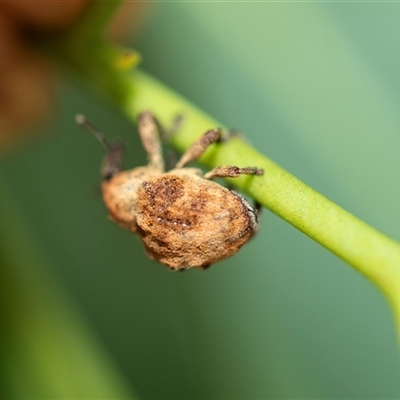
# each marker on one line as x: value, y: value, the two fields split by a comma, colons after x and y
x: 84, y: 123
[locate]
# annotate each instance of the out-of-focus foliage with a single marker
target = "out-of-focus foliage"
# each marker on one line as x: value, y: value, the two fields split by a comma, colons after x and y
x: 25, y: 78
x: 314, y: 87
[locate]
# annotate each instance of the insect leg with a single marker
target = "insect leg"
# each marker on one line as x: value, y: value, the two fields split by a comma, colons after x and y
x: 199, y: 146
x: 149, y: 134
x: 168, y: 132
x: 228, y: 171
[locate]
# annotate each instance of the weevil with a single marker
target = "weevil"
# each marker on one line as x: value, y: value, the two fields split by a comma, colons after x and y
x: 183, y: 217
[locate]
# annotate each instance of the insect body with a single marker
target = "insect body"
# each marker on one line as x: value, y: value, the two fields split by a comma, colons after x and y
x: 183, y: 218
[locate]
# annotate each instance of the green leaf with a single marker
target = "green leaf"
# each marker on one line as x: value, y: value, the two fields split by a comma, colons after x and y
x: 48, y: 350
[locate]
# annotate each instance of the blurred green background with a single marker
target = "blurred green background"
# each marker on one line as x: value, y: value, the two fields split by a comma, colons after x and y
x: 315, y: 86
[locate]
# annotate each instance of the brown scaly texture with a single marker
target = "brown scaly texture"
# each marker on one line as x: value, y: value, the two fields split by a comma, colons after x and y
x: 120, y: 195
x: 186, y: 221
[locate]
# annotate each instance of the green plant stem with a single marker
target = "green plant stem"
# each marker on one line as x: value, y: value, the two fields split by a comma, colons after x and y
x: 363, y: 247
x: 369, y: 251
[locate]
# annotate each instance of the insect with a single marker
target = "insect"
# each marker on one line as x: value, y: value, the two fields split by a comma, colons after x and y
x: 183, y: 218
